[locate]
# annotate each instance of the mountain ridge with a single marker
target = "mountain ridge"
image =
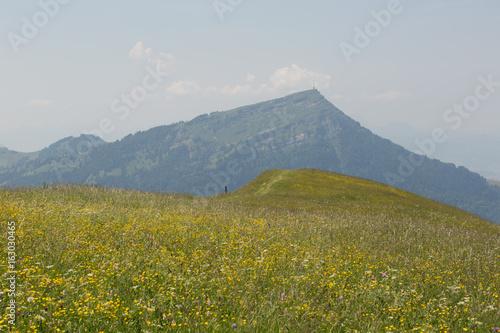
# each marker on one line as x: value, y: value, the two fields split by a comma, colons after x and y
x: 478, y: 153
x: 230, y: 148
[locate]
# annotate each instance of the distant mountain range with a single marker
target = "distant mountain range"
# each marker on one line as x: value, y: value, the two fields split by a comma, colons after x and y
x: 202, y: 156
x: 10, y: 158
x: 479, y: 153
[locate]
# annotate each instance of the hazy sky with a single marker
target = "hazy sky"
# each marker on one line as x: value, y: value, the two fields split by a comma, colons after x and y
x: 117, y: 67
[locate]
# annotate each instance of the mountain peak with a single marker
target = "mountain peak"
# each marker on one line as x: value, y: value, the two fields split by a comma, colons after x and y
x: 230, y: 148
x: 311, y: 93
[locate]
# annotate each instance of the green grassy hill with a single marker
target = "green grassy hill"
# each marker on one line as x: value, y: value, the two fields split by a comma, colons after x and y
x: 293, y: 251
x: 327, y: 192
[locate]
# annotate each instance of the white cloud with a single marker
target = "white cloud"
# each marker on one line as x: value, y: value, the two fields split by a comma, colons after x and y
x: 40, y: 102
x: 386, y: 96
x: 250, y: 78
x: 236, y: 90
x: 285, y: 79
x: 183, y: 88
x: 296, y: 77
x: 137, y: 51
x: 161, y: 61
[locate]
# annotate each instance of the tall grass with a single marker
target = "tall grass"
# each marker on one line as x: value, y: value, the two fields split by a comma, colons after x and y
x: 99, y: 260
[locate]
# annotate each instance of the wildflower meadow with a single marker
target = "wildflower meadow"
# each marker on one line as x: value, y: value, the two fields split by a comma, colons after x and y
x: 299, y: 251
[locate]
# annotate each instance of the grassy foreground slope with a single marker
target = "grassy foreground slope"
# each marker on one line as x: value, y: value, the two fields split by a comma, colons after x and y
x: 293, y: 251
